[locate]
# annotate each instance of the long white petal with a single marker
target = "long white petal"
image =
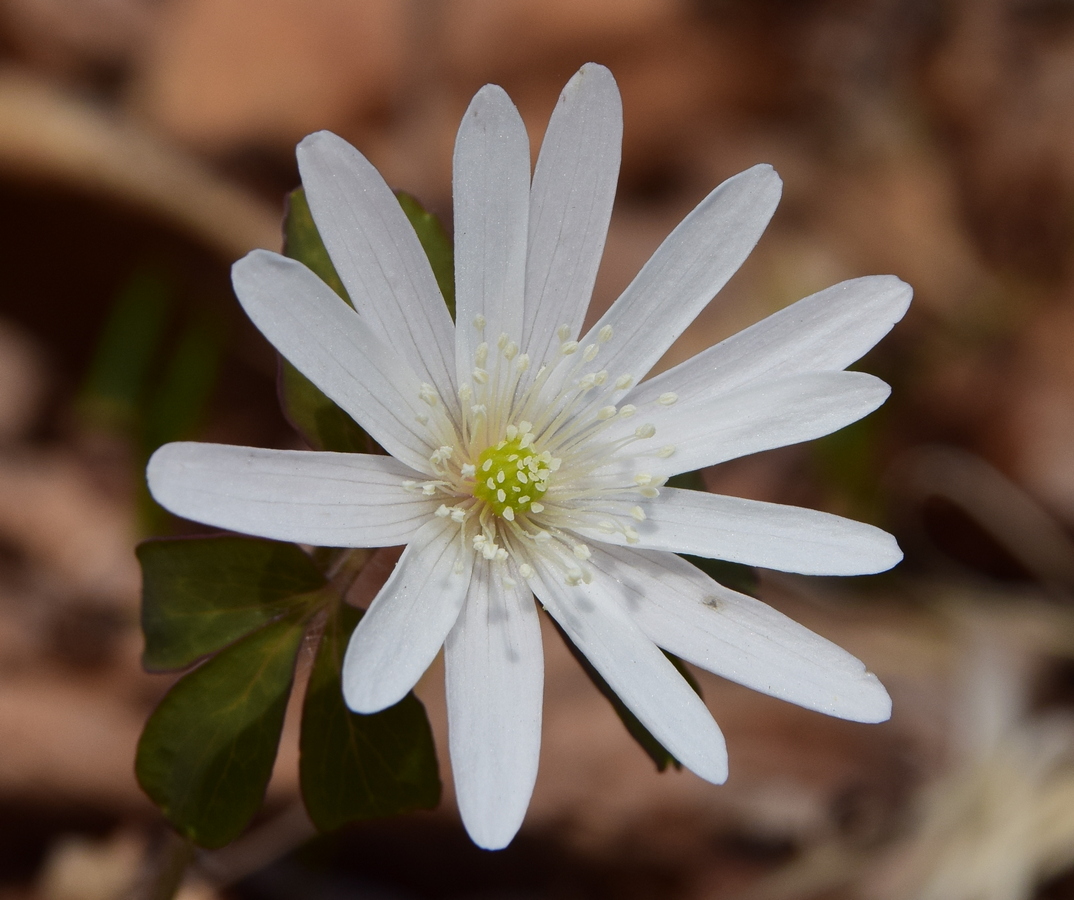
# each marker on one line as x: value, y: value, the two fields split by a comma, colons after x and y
x: 826, y: 331
x: 758, y: 416
x: 327, y: 499
x: 491, y: 189
x: 686, y: 271
x: 494, y: 669
x: 408, y: 620
x: 570, y: 206
x: 333, y: 347
x: 644, y: 679
x: 684, y: 611
x: 770, y: 535
x: 378, y: 257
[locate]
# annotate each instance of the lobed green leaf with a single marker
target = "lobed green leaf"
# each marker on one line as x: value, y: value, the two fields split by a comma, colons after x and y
x: 436, y: 243
x: 202, y: 594
x: 354, y: 766
x: 207, y: 751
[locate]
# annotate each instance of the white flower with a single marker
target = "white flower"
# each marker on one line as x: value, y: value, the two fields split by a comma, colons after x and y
x: 526, y: 457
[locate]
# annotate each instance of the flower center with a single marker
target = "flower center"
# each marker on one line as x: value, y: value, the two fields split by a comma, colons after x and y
x: 511, y: 476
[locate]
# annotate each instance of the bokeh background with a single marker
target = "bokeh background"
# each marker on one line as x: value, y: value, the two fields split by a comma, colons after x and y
x: 145, y: 144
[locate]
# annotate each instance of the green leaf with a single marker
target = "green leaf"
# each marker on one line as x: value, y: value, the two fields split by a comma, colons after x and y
x: 658, y: 753
x: 322, y: 424
x: 127, y: 349
x: 302, y: 241
x: 201, y: 594
x: 206, y: 754
x: 359, y: 767
x: 436, y: 244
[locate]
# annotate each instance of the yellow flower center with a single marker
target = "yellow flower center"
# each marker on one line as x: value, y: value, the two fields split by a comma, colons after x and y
x: 511, y: 478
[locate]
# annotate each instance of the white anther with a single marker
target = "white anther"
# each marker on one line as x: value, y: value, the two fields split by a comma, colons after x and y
x: 631, y: 535
x: 501, y: 341
x: 643, y: 478
x: 481, y: 354
x: 568, y: 347
x: 457, y: 568
x: 480, y: 376
x: 644, y: 432
x: 607, y: 526
x: 590, y: 352
x: 605, y: 334
x: 501, y: 494
x: 574, y: 576
x: 606, y: 412
x: 501, y: 554
x: 637, y: 513
x: 443, y: 512
x: 526, y: 570
x: 511, y: 350
x: 586, y: 382
x: 428, y: 489
x: 523, y: 362
x: 542, y: 537
x: 623, y: 382
x: 508, y: 513
x: 601, y: 377
x: 409, y: 485
x: 649, y: 493
x: 537, y: 507
x: 479, y: 410
x: 508, y: 581
x: 525, y: 426
x: 466, y: 393
x: 626, y: 411
x: 665, y: 452
x: 469, y: 470
x: 480, y: 322
x: 458, y: 515
x: 428, y: 393
x: 581, y: 551
x: 422, y: 419
x: 667, y: 399
x: 563, y: 332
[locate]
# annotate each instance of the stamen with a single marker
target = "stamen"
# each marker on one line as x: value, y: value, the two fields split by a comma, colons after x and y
x: 605, y: 334
x: 623, y: 382
x: 667, y: 399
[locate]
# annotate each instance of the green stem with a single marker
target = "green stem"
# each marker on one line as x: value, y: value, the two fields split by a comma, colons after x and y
x: 171, y: 865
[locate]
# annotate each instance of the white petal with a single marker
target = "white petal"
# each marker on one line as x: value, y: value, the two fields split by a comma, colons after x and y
x: 642, y: 677
x: 760, y: 416
x: 332, y: 346
x: 495, y: 677
x: 379, y: 258
x: 490, y: 186
x: 826, y: 331
x: 686, y: 271
x: 408, y: 620
x: 683, y: 610
x: 770, y: 535
x: 327, y: 499
x: 570, y: 206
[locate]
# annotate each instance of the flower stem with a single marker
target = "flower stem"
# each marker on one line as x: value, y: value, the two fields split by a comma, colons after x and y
x: 169, y: 870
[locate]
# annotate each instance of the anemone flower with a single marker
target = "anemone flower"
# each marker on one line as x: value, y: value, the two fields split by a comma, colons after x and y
x: 529, y: 459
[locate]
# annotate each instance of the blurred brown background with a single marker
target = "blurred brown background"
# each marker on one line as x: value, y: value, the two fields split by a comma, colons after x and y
x: 145, y: 144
